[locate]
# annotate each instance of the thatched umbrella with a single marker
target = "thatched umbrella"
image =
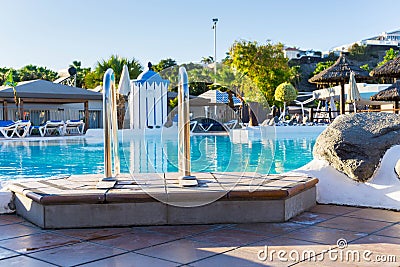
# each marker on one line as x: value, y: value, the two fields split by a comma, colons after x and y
x: 392, y: 93
x: 390, y: 69
x: 339, y: 73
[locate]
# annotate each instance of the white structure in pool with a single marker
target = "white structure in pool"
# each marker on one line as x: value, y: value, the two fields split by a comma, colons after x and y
x: 148, y: 100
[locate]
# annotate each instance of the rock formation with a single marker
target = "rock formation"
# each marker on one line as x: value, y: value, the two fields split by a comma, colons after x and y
x: 355, y: 143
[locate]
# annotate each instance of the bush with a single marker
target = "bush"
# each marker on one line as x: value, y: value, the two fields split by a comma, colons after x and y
x: 285, y: 92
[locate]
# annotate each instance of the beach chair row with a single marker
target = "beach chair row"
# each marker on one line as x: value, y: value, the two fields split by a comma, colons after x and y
x: 23, y: 128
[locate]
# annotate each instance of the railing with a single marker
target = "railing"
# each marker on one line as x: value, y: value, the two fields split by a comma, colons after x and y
x: 186, y: 179
x: 110, y: 126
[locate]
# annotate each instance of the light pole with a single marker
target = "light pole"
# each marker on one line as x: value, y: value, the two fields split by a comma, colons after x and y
x: 215, y: 20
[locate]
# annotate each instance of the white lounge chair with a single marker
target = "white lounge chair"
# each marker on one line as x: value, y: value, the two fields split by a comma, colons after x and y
x: 231, y: 124
x: 74, y: 126
x: 193, y: 125
x: 52, y: 127
x: 205, y: 127
x: 8, y: 128
x: 23, y: 127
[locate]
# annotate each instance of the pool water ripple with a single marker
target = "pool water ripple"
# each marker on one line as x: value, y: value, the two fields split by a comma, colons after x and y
x: 41, y: 159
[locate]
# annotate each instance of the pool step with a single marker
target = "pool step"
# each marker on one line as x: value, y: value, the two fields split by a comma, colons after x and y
x: 158, y: 199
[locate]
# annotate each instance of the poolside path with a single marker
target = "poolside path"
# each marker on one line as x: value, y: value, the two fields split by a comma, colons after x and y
x: 317, y: 230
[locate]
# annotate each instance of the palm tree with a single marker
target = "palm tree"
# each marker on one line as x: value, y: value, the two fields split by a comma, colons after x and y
x: 116, y: 63
x: 207, y: 60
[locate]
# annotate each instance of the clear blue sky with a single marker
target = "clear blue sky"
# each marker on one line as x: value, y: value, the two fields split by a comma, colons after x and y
x: 53, y: 33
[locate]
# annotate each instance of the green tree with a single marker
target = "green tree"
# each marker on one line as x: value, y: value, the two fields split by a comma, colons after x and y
x: 32, y: 72
x: 3, y: 75
x: 285, y: 93
x: 10, y: 82
x: 365, y: 67
x: 265, y: 64
x: 80, y: 73
x: 164, y: 64
x: 390, y: 54
x: 357, y: 50
x: 95, y: 78
x: 322, y: 66
x: 207, y: 60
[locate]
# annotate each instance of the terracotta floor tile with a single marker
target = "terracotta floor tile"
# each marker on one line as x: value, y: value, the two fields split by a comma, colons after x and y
x: 10, y: 219
x: 180, y: 231
x: 393, y: 231
x: 310, y: 218
x: 324, y: 235
x: 75, y: 254
x: 230, y: 237
x: 14, y: 230
x: 23, y: 261
x: 4, y: 221
x: 354, y: 224
x: 183, y: 251
x: 133, y: 240
x: 232, y: 259
x: 271, y: 229
x: 376, y: 214
x: 5, y: 253
x: 37, y: 242
x: 91, y: 233
x: 333, y: 209
x: 130, y: 259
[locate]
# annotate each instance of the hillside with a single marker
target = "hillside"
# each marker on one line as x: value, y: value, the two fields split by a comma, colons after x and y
x: 371, y: 56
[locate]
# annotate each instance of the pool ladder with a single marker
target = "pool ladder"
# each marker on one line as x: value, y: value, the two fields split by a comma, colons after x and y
x: 111, y: 134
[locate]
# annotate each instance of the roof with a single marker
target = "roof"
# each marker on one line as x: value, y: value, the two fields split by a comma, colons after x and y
x: 339, y: 72
x: 42, y: 89
x: 150, y: 76
x: 389, y: 69
x: 217, y: 96
x: 392, y: 93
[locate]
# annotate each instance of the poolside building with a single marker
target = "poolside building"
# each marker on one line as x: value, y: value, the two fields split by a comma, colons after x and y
x: 42, y: 100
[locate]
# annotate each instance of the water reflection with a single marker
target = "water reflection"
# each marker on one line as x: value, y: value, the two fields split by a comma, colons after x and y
x: 46, y: 158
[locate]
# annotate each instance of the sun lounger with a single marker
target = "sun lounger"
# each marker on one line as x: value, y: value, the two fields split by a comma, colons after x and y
x: 230, y: 124
x: 205, y: 127
x: 19, y: 128
x: 7, y: 128
x: 23, y: 127
x: 193, y: 125
x: 74, y: 126
x: 52, y: 127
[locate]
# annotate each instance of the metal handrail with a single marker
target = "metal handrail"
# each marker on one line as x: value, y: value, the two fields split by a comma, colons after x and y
x: 110, y: 126
x: 183, y: 123
x: 186, y: 179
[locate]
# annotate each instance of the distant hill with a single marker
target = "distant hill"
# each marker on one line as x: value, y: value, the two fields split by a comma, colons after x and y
x: 372, y: 56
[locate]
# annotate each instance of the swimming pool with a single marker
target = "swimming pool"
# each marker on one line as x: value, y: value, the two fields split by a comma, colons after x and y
x: 62, y: 157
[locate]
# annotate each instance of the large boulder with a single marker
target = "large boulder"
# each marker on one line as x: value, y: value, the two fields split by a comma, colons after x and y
x: 355, y: 143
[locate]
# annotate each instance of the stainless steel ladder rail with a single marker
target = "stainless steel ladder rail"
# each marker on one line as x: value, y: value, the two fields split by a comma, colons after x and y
x: 186, y: 178
x: 110, y: 126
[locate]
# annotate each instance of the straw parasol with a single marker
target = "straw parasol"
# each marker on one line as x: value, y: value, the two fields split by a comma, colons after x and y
x: 390, y: 69
x: 339, y: 73
x: 392, y: 93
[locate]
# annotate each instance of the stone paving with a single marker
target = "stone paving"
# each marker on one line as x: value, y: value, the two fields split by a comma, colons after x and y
x: 326, y: 235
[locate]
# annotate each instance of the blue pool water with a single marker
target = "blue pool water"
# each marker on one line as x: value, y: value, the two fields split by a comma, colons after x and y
x: 39, y: 159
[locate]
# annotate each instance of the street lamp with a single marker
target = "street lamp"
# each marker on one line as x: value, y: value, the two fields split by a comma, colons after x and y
x: 215, y: 20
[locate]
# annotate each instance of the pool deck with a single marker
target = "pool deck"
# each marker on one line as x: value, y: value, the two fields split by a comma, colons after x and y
x: 318, y: 229
x: 157, y: 199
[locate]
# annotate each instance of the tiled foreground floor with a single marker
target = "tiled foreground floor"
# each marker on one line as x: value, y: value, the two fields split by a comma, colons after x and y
x: 371, y: 234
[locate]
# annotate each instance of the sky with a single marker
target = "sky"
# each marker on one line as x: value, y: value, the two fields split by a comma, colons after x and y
x: 54, y: 33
